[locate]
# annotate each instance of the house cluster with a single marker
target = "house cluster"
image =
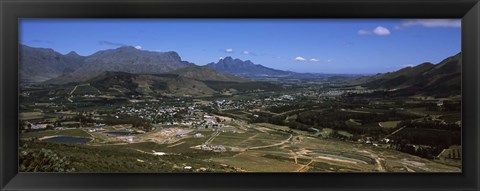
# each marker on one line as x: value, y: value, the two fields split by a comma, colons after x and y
x: 276, y: 101
x: 213, y: 147
x: 234, y: 104
x: 143, y: 111
x: 167, y: 115
x: 209, y: 121
x: 384, y: 143
x: 340, y: 92
x: 38, y: 126
x: 96, y: 129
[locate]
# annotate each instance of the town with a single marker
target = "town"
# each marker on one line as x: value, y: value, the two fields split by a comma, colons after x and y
x: 305, y: 128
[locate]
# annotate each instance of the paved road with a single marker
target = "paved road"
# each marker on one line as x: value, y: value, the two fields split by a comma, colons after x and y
x: 394, y: 132
x: 214, y: 135
x: 75, y: 88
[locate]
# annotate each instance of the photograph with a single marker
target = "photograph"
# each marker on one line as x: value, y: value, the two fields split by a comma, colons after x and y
x: 210, y: 95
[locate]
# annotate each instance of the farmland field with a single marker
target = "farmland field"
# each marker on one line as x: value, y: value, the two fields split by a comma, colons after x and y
x: 388, y: 124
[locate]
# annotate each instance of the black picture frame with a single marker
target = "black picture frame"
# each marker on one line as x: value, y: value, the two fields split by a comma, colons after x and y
x: 12, y: 10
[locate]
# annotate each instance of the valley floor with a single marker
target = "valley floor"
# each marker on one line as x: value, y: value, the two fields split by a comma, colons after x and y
x: 248, y: 148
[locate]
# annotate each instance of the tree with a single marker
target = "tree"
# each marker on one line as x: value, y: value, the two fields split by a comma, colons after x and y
x: 57, y: 124
x: 21, y: 124
x: 50, y: 126
x: 43, y: 160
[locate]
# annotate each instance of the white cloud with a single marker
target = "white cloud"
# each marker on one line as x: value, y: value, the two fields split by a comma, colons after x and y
x: 329, y: 60
x: 302, y: 59
x: 138, y: 47
x: 220, y: 58
x: 248, y: 53
x: 229, y: 50
x: 408, y: 65
x: 430, y: 23
x: 299, y: 58
x: 364, y: 32
x: 381, y: 31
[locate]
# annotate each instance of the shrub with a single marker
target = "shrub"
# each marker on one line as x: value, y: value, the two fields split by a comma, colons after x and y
x: 42, y: 160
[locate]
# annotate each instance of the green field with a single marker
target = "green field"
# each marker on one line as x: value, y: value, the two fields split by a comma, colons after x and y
x: 388, y: 124
x: 253, y: 161
x: 85, y: 158
x: 352, y: 123
x: 272, y: 126
x: 247, y: 140
x: 30, y: 115
x: 67, y: 132
x: 345, y: 133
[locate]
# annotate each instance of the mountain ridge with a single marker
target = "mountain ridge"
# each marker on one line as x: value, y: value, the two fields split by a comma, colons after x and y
x: 124, y: 59
x: 245, y: 68
x: 45, y: 63
x: 46, y: 66
x: 443, y: 78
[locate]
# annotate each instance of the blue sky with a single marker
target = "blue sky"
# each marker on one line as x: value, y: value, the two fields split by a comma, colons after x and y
x: 356, y: 46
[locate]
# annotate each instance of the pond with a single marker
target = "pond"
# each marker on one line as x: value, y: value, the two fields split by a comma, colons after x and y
x: 68, y: 139
x: 119, y: 132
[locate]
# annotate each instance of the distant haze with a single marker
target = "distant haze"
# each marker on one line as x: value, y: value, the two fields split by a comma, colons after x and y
x: 347, y: 46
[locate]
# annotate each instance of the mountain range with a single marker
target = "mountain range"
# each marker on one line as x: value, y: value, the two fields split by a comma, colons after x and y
x: 124, y: 59
x: 443, y: 78
x: 128, y: 71
x: 45, y: 66
x: 41, y: 64
x: 245, y: 68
